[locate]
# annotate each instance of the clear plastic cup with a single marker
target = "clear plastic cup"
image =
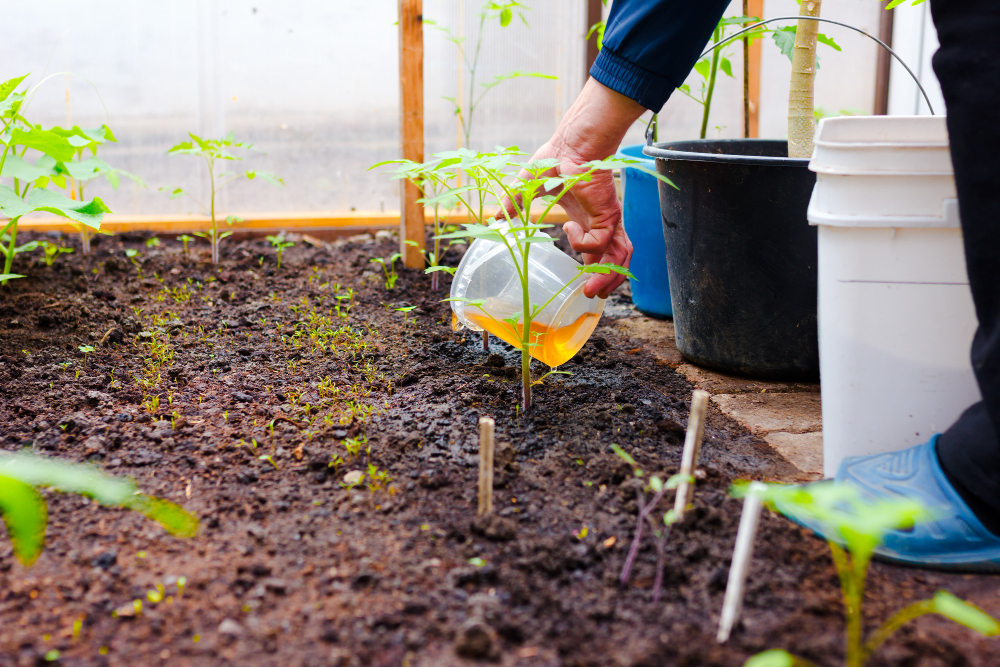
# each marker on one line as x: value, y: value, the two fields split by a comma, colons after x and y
x: 487, y: 273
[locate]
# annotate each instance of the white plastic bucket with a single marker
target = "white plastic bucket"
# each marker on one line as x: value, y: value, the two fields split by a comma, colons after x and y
x: 896, y: 318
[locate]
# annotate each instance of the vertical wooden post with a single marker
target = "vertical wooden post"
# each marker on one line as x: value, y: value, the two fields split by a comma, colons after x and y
x: 756, y: 8
x: 411, y: 121
x: 595, y: 12
x: 883, y: 63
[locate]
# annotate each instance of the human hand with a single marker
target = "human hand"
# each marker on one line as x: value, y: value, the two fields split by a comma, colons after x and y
x: 592, y: 129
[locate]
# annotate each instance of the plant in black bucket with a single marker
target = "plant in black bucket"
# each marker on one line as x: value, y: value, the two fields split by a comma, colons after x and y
x: 741, y: 256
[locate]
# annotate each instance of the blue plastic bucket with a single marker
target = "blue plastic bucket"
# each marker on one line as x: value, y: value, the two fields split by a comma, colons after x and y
x: 641, y: 203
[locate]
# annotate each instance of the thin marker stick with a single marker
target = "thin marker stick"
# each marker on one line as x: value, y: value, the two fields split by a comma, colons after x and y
x: 486, y: 425
x: 692, y: 449
x: 742, y: 555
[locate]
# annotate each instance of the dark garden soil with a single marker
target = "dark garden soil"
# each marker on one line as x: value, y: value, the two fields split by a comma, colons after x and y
x: 194, y: 365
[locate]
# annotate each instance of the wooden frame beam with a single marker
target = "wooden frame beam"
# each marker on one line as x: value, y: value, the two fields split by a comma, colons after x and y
x: 411, y: 125
x: 304, y: 221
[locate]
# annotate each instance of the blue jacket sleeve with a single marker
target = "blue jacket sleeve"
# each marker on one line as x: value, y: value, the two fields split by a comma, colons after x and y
x: 650, y: 46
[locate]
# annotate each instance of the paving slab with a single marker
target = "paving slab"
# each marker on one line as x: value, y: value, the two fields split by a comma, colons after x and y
x: 786, y: 415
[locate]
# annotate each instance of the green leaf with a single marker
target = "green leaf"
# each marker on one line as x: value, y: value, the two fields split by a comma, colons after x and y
x: 965, y: 613
x: 86, y: 213
x: 776, y: 657
x: 623, y: 455
x: 447, y: 269
x: 784, y: 39
x: 505, y: 16
x: 17, y: 167
x: 823, y: 39
x: 703, y: 67
x: 726, y: 66
x: 267, y: 176
x: 10, y: 276
x: 655, y: 483
x: 12, y: 102
x: 174, y: 518
x: 8, y: 86
x: 25, y: 516
x: 45, y: 141
x: 607, y: 268
x: 738, y: 20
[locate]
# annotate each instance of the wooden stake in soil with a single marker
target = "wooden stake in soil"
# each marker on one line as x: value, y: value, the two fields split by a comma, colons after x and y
x: 486, y: 425
x: 411, y: 98
x: 692, y: 448
x: 742, y: 555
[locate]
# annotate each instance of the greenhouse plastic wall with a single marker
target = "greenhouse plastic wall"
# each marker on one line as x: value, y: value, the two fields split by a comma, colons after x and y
x: 314, y: 85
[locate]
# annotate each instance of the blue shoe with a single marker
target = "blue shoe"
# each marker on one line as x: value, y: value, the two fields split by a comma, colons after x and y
x: 954, y: 539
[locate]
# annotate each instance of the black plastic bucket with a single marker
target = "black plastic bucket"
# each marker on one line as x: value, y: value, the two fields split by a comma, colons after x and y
x: 740, y: 255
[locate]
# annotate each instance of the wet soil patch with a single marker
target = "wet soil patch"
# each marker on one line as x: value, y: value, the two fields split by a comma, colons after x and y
x: 249, y: 393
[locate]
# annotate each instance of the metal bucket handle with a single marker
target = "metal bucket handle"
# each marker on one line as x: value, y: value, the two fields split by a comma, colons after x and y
x: 649, y: 127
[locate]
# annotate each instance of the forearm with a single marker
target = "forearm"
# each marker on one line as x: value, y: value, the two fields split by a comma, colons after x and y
x: 596, y: 123
x: 650, y: 46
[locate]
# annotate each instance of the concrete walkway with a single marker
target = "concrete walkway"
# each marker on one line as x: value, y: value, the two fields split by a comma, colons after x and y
x: 785, y: 414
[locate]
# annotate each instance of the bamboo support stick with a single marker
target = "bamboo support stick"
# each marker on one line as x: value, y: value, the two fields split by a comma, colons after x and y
x: 742, y: 554
x: 692, y: 448
x: 486, y: 427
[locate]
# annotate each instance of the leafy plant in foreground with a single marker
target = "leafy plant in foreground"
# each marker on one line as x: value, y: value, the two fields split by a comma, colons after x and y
x: 648, y: 499
x: 33, y: 158
x: 857, y: 525
x: 212, y: 151
x: 503, y: 181
x: 24, y: 510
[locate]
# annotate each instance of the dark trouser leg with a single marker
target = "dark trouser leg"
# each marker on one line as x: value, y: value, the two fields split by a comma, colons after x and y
x: 968, y: 65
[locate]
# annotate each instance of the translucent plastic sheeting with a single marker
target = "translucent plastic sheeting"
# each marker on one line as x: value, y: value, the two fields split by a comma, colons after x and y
x: 312, y: 84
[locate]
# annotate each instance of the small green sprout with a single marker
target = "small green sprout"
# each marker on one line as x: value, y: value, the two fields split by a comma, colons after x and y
x: 185, y: 239
x: 279, y: 244
x: 477, y: 562
x: 52, y: 252
x: 856, y: 526
x: 153, y: 242
x: 406, y: 313
x: 389, y: 268
x: 86, y: 349
x: 269, y: 459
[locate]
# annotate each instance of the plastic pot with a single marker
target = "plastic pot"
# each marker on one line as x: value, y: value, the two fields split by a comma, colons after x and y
x: 740, y: 255
x: 641, y: 211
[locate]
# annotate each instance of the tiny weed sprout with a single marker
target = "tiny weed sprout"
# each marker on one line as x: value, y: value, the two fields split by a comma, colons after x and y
x: 389, y: 268
x: 406, y: 310
x: 52, y: 252
x: 648, y: 497
x: 86, y: 349
x: 212, y: 151
x: 856, y: 525
x: 185, y: 239
x: 500, y: 180
x: 279, y: 244
x: 153, y: 242
x: 24, y: 510
x: 32, y: 159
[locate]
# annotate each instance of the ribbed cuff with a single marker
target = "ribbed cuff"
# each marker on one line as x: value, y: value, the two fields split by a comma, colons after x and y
x: 623, y: 76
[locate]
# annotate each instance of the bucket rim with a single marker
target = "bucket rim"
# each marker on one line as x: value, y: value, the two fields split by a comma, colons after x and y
x: 661, y: 151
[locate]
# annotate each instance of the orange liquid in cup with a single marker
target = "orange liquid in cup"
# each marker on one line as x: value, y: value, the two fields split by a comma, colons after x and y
x: 554, y: 346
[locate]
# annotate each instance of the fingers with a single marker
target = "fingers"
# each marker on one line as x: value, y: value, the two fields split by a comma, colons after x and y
x: 619, y: 252
x: 595, y: 212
